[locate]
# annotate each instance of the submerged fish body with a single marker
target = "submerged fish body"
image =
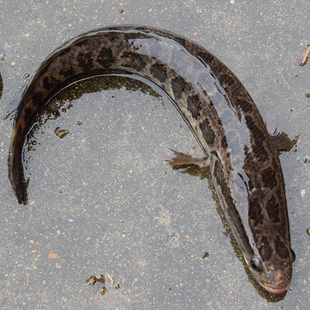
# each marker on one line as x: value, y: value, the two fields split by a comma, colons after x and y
x: 221, y: 114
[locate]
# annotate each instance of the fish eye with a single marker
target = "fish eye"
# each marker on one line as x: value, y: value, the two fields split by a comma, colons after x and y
x: 255, y: 264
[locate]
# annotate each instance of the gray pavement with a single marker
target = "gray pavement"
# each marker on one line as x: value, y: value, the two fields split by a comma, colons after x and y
x: 101, y: 200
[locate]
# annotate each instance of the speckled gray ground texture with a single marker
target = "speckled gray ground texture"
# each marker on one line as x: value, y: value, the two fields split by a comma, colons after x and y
x: 102, y: 201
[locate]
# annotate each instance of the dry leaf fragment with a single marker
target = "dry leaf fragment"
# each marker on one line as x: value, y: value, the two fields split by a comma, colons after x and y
x: 305, y: 59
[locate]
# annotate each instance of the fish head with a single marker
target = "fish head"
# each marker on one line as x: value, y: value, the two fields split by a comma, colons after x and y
x: 275, y: 274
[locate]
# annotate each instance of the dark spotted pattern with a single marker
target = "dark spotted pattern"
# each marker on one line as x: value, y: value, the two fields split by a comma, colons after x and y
x: 269, y: 178
x: 255, y: 212
x: 105, y: 57
x: 208, y: 132
x: 159, y: 72
x: 258, y: 137
x: 67, y: 71
x: 216, y: 106
x: 227, y: 81
x: 49, y: 82
x: 224, y: 142
x: 134, y: 60
x: 194, y: 105
x: 244, y: 105
x: 265, y: 249
x: 85, y: 61
x: 273, y: 210
x: 281, y: 249
x: 178, y: 85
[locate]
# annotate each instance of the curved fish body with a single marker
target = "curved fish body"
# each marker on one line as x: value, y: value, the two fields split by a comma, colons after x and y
x: 221, y: 114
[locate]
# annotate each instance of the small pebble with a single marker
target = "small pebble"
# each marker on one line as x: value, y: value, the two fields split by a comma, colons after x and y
x: 206, y: 255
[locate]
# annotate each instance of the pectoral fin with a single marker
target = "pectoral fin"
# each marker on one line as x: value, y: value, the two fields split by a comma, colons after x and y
x: 281, y: 141
x: 175, y: 158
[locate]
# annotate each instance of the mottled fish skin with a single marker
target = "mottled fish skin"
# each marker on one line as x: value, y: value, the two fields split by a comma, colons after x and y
x: 221, y: 114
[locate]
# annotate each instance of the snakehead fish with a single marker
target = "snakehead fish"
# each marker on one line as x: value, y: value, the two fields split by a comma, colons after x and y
x: 243, y: 159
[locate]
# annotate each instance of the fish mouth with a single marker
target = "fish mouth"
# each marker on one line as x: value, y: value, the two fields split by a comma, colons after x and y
x: 277, y: 289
